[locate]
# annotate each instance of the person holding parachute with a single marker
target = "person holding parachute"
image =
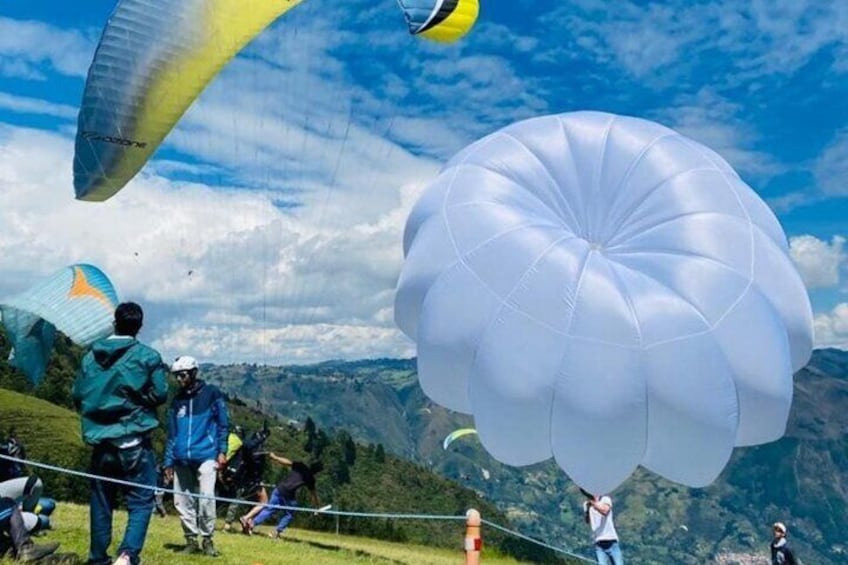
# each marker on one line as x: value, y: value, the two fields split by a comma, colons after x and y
x: 597, y: 512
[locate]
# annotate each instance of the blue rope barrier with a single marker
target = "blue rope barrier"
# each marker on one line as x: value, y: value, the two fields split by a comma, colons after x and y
x: 393, y: 516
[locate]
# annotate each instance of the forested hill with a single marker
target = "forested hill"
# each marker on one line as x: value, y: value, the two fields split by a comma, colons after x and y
x: 801, y: 479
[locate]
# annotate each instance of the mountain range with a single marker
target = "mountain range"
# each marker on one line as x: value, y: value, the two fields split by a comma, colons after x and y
x: 802, y: 479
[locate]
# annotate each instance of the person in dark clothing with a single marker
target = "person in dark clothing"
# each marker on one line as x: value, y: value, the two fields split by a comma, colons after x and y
x: 285, y: 494
x: 15, y: 539
x: 119, y: 386
x: 241, y: 478
x: 781, y: 554
x: 12, y: 469
x: 15, y: 477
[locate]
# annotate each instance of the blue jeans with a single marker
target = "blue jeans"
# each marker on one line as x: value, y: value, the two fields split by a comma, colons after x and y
x: 608, y: 553
x: 135, y: 464
x: 277, y: 499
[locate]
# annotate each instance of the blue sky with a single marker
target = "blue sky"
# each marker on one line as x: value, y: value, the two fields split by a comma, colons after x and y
x: 268, y: 226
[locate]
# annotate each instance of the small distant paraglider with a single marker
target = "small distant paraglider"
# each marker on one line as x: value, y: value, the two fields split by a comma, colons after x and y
x: 78, y: 300
x: 456, y: 434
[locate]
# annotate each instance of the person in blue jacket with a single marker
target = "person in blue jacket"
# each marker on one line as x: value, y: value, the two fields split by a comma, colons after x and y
x: 197, y: 445
x: 119, y: 386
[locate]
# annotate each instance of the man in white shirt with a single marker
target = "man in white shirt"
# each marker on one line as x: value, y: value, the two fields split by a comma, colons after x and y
x: 597, y: 511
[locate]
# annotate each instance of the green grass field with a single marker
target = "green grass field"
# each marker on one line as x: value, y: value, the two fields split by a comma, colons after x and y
x: 297, y: 546
x: 52, y: 435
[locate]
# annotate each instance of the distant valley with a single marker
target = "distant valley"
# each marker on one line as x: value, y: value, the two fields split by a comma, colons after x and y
x: 801, y: 479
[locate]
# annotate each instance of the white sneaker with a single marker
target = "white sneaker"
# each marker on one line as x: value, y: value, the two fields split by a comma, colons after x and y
x: 123, y: 559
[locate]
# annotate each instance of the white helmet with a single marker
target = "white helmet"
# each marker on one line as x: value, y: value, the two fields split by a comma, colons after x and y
x: 184, y: 363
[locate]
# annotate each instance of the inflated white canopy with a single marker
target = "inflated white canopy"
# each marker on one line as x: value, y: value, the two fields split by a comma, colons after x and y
x: 603, y: 290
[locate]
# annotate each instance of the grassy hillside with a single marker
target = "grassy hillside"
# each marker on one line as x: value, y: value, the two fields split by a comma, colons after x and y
x: 357, y: 478
x: 298, y: 546
x: 51, y: 434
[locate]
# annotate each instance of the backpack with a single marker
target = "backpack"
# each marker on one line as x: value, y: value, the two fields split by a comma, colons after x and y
x: 243, y: 472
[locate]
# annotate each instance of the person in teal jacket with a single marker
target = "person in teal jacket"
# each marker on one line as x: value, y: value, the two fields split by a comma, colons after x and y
x: 119, y: 386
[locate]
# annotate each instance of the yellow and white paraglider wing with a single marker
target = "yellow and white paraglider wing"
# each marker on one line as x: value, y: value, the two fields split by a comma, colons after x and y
x: 78, y: 300
x: 155, y: 57
x: 456, y: 434
x: 440, y: 20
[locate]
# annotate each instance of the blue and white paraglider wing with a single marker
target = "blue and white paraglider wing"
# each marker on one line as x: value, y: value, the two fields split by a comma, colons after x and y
x: 78, y: 300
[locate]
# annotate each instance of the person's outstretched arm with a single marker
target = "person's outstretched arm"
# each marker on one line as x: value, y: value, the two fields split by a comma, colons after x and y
x: 281, y: 460
x: 602, y: 505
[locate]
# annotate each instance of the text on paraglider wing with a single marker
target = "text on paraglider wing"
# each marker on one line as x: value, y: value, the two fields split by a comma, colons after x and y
x: 94, y: 136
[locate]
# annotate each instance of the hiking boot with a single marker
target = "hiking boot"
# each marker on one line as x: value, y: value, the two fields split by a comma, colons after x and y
x: 33, y: 552
x: 190, y: 546
x: 209, y: 548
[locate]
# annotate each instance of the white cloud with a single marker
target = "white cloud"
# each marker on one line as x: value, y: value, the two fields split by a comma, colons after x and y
x: 790, y: 201
x: 790, y: 33
x: 831, y: 328
x: 303, y: 162
x: 28, y: 48
x: 713, y: 120
x: 831, y: 167
x: 300, y: 238
x: 222, y: 272
x: 819, y: 262
x: 26, y: 105
x: 661, y: 43
x: 286, y: 344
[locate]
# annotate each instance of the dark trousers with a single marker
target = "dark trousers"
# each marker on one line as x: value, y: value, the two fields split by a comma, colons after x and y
x: 11, y: 525
x: 137, y: 465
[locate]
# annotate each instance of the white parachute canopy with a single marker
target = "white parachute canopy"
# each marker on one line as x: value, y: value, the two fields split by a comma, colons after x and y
x: 605, y: 291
